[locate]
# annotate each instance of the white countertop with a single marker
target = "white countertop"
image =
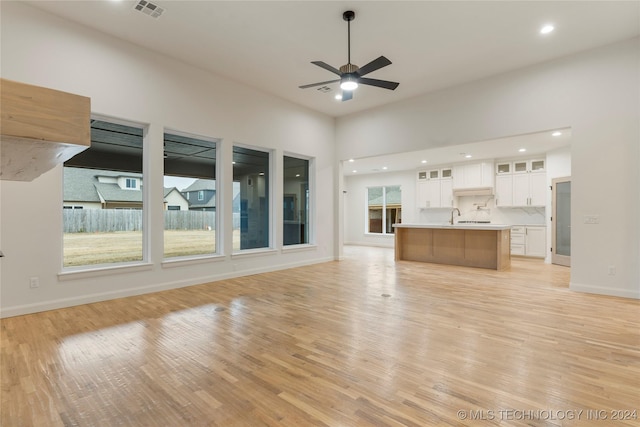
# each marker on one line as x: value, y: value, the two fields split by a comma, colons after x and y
x: 457, y: 226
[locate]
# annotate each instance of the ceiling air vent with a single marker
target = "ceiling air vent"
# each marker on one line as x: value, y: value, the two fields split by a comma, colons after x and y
x: 324, y: 89
x: 148, y: 8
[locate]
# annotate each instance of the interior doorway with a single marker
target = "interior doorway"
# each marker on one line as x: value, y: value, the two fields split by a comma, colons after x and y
x: 561, y: 221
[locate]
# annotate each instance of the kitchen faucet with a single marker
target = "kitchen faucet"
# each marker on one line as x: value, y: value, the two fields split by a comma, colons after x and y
x: 452, y: 211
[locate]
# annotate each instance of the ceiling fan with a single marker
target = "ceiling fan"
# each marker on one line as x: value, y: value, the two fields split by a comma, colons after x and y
x: 351, y: 75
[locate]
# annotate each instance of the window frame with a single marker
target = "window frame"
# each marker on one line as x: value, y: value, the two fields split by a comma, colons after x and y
x: 271, y: 208
x: 90, y: 270
x: 384, y: 207
x: 219, y: 233
x: 311, y: 207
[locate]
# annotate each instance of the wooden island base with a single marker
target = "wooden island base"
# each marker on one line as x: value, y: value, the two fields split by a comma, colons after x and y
x: 470, y: 246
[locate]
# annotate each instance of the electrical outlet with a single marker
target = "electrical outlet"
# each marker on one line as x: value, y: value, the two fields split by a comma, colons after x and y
x: 34, y: 282
x: 612, y: 270
x: 591, y: 219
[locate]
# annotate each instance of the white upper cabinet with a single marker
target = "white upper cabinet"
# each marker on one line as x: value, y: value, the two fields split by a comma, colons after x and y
x: 521, y: 183
x: 434, y: 189
x: 504, y: 190
x: 503, y: 168
x: 537, y: 189
x: 473, y: 175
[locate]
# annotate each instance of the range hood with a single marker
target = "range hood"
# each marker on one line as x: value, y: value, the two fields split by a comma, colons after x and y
x: 473, y: 191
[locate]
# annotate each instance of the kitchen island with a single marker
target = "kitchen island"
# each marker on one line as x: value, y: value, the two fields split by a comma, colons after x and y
x: 470, y: 245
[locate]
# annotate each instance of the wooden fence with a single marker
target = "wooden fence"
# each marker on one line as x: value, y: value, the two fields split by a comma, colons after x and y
x: 109, y: 220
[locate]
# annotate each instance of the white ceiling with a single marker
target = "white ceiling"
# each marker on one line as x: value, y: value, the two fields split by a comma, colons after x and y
x: 432, y: 44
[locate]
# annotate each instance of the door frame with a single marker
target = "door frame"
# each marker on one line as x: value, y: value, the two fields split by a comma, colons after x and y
x: 555, y: 257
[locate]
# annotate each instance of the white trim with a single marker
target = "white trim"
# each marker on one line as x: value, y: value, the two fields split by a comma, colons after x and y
x: 191, y: 260
x: 605, y: 290
x: 105, y: 296
x: 298, y: 248
x: 247, y: 253
x: 371, y: 243
x: 88, y: 271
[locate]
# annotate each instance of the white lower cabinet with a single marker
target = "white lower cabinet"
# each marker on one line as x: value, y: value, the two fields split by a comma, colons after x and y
x: 529, y: 240
x: 536, y: 242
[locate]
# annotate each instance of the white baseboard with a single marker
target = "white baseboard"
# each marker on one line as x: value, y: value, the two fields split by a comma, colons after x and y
x: 601, y: 290
x: 19, y: 310
x: 373, y: 244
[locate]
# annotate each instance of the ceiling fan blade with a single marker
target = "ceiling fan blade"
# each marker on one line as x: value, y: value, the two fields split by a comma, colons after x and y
x: 319, y: 84
x: 327, y: 67
x: 376, y: 64
x: 347, y: 95
x: 378, y: 83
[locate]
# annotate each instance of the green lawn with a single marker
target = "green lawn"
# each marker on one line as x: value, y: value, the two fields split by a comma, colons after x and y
x: 125, y: 246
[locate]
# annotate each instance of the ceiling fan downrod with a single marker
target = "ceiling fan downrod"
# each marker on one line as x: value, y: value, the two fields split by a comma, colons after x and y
x: 349, y: 16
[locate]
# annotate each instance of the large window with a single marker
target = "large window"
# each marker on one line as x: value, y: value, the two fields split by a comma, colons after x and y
x: 383, y: 209
x: 250, y: 198
x: 102, y: 198
x: 295, y: 201
x: 189, y: 195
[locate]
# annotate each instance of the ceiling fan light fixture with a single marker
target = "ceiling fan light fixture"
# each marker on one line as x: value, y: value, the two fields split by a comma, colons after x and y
x: 349, y: 83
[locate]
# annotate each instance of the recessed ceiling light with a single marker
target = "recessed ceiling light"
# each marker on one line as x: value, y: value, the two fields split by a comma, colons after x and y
x: 556, y: 133
x: 468, y: 156
x: 261, y: 173
x: 233, y: 163
x: 522, y: 150
x: 547, y: 29
x: 297, y: 175
x: 424, y: 161
x: 384, y: 168
x: 338, y: 96
x: 354, y: 171
x: 351, y: 160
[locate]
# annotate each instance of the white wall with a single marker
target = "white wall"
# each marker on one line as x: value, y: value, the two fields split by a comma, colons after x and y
x: 594, y: 92
x: 134, y: 84
x: 355, y: 205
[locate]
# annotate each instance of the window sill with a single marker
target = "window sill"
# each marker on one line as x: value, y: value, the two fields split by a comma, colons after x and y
x: 179, y: 262
x: 248, y: 253
x: 88, y: 272
x: 380, y: 234
x: 298, y: 248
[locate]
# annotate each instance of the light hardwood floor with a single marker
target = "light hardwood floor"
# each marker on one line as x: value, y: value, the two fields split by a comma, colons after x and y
x: 361, y: 342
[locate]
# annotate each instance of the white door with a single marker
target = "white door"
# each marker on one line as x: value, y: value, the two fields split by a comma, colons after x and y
x: 561, y: 221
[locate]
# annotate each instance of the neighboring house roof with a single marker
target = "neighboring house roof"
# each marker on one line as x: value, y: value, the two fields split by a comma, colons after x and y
x: 81, y: 185
x: 394, y: 197
x: 170, y: 190
x: 201, y: 184
x: 78, y: 185
x: 207, y: 185
x: 113, y: 193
